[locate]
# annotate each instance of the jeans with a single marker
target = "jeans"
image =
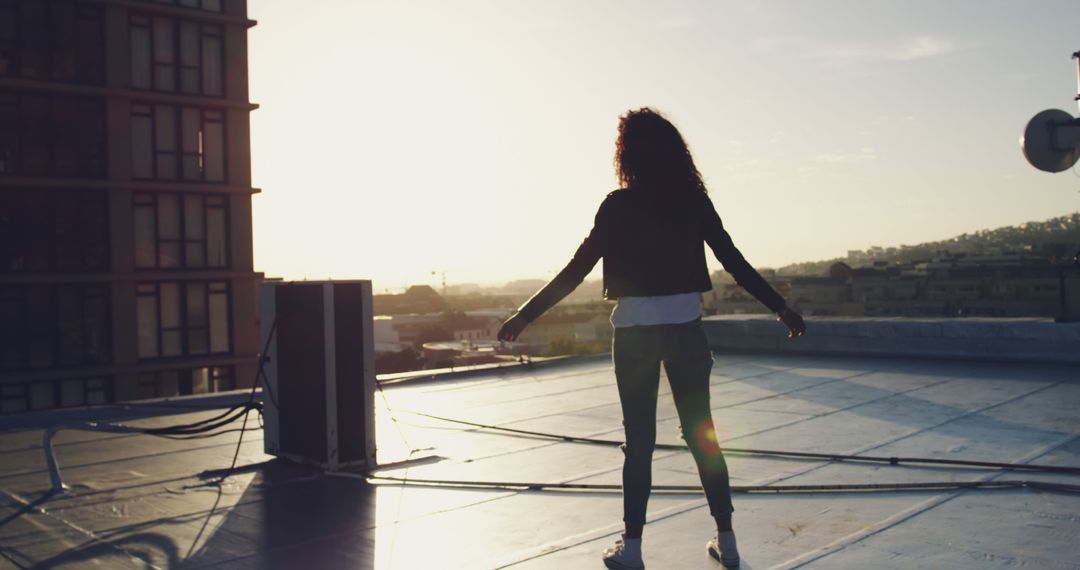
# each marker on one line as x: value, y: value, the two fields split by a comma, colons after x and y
x: 684, y: 350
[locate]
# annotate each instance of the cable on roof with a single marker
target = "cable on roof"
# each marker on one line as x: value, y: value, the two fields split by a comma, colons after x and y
x: 760, y: 489
x: 204, y: 428
x: 1040, y: 468
x: 201, y: 435
x: 170, y: 404
x: 195, y: 430
x: 259, y: 375
x: 226, y: 417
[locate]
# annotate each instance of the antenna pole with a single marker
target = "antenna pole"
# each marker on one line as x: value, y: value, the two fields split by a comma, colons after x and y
x: 1076, y: 56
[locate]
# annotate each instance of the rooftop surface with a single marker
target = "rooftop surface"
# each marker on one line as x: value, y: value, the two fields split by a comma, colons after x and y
x: 138, y: 501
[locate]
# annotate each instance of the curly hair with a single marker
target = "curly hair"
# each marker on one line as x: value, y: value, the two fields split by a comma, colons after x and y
x: 650, y: 152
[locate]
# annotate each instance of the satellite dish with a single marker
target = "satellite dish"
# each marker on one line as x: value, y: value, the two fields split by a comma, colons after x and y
x: 1050, y: 141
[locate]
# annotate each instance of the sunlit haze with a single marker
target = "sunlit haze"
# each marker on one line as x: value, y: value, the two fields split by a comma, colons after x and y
x: 397, y: 139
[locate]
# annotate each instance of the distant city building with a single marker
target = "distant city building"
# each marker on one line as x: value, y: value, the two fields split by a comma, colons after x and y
x: 408, y: 329
x: 823, y: 296
x: 397, y: 332
x: 416, y: 299
x: 1000, y: 285
x: 386, y: 337
x: 590, y: 327
x: 125, y: 201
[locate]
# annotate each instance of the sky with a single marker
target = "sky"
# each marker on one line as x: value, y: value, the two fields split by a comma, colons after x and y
x: 397, y: 141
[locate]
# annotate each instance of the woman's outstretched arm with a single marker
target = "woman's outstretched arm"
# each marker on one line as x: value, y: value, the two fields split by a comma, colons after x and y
x: 585, y: 258
x: 745, y: 274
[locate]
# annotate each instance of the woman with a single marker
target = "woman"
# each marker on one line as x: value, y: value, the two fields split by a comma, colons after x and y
x: 651, y: 233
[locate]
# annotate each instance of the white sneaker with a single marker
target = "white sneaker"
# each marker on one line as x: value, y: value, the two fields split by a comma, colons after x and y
x: 625, y: 555
x: 722, y: 547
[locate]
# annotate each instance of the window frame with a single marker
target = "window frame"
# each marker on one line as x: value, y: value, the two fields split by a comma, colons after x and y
x: 152, y: 289
x: 85, y: 240
x: 209, y: 202
x: 53, y: 41
x: 220, y: 379
x: 203, y: 30
x: 26, y: 133
x: 105, y: 386
x: 201, y: 7
x: 10, y: 46
x: 49, y: 331
x: 5, y: 396
x: 149, y: 111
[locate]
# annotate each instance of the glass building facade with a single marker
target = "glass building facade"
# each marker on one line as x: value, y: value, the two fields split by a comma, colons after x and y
x: 125, y: 201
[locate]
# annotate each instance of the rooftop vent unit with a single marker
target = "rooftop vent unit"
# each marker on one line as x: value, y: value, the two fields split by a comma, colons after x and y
x: 320, y: 372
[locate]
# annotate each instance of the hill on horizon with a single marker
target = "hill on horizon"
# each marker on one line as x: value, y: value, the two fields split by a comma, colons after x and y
x: 1057, y: 239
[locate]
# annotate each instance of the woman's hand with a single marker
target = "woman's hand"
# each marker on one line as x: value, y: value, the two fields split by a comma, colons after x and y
x: 793, y: 321
x: 511, y: 329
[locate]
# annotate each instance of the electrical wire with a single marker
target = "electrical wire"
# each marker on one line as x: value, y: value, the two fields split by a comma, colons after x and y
x: 394, y: 419
x: 260, y: 376
x: 251, y: 399
x: 240, y: 415
x: 408, y: 461
x: 200, y: 435
x: 920, y: 486
x: 776, y: 489
x: 202, y: 425
x: 405, y: 477
x: 201, y: 429
x: 166, y: 404
x: 1070, y: 470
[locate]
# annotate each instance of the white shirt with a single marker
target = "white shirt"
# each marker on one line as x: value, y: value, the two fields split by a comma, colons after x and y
x: 658, y: 310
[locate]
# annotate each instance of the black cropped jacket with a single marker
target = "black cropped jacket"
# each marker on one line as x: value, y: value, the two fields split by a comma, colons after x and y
x: 653, y: 244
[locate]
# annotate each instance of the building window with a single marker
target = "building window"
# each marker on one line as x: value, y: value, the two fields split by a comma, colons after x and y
x: 52, y: 135
x: 53, y: 230
x: 177, y: 143
x: 177, y: 55
x: 208, y: 5
x: 180, y: 231
x: 10, y: 127
x: 171, y: 383
x: 58, y: 40
x: 54, y: 325
x: 183, y: 318
x: 14, y: 398
x: 47, y: 395
x: 9, y: 37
